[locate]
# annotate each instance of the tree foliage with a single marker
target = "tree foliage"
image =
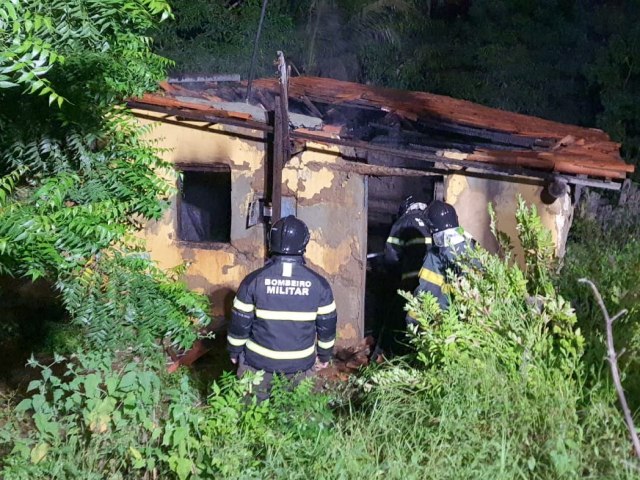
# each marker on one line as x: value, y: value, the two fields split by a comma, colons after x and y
x: 78, y: 177
x: 615, y: 74
x: 211, y: 37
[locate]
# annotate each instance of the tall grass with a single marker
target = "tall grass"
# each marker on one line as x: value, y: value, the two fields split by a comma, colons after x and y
x: 482, y: 426
x: 605, y: 247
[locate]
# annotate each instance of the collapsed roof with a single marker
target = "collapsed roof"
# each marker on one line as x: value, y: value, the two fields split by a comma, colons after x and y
x: 449, y: 132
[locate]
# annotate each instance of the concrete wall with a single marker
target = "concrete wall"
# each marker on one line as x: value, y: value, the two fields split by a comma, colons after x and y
x: 217, y: 269
x: 331, y: 203
x: 471, y: 196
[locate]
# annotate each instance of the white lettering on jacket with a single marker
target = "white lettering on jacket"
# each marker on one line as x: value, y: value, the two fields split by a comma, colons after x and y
x: 280, y: 286
x: 286, y: 282
x: 287, y: 290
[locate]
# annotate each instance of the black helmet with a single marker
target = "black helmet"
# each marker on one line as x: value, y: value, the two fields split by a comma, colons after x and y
x: 289, y: 236
x: 410, y: 203
x: 441, y: 216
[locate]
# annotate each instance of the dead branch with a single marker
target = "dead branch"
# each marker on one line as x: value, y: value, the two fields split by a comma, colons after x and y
x: 613, y: 363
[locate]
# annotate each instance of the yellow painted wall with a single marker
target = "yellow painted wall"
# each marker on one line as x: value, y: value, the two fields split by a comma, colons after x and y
x: 331, y: 203
x: 214, y: 270
x: 470, y: 196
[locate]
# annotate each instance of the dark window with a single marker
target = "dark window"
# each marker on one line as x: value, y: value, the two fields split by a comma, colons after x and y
x: 204, y: 207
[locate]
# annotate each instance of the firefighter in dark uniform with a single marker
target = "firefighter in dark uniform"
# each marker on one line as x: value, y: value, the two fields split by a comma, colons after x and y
x: 450, y: 241
x: 407, y: 243
x: 405, y: 249
x: 284, y: 315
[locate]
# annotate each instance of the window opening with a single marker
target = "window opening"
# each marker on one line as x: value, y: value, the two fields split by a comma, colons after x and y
x: 204, y: 206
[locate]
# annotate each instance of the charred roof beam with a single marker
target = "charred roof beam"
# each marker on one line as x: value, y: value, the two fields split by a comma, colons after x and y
x: 457, y: 164
x: 493, y: 136
x: 421, y: 140
x: 201, y: 117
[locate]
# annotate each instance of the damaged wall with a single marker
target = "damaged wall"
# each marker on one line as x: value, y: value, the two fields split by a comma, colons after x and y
x: 214, y: 269
x: 471, y: 196
x: 332, y: 203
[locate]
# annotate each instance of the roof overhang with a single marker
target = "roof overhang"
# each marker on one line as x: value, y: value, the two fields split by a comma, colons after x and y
x: 447, y: 134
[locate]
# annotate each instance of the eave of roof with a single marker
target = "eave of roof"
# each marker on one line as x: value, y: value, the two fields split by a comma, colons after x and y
x: 553, y: 146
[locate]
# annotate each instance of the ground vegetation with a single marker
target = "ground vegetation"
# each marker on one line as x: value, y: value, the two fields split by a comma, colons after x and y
x: 494, y: 389
x: 510, y: 382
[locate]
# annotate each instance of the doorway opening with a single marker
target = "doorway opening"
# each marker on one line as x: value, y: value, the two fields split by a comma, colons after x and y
x: 385, y: 196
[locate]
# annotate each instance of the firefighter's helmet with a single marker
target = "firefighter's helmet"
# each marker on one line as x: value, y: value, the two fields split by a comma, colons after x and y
x: 288, y: 236
x: 412, y: 202
x: 441, y: 216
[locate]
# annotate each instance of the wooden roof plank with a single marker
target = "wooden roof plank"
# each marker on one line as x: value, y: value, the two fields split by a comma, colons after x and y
x: 530, y: 142
x: 158, y: 100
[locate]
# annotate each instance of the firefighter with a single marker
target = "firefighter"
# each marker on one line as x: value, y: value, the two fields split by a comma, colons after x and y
x: 283, y: 319
x: 407, y: 243
x: 405, y: 249
x: 450, y: 241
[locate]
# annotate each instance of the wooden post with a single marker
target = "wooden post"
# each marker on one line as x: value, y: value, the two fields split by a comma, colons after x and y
x: 281, y: 147
x: 278, y: 162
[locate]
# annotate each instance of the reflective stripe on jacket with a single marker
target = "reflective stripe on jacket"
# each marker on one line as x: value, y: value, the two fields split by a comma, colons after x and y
x: 282, y: 315
x: 440, y: 261
x: 406, y: 246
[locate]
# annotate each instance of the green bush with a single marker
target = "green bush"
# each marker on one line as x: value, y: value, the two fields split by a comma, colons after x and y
x: 500, y: 392
x: 502, y: 313
x: 101, y: 415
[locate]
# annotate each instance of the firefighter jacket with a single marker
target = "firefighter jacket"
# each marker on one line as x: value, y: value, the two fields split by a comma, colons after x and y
x: 441, y: 262
x: 282, y: 315
x: 407, y: 246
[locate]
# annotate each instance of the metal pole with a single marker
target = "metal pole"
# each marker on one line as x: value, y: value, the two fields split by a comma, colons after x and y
x: 255, y: 49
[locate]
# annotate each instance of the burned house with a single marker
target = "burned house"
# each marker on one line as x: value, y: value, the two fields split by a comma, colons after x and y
x: 342, y: 156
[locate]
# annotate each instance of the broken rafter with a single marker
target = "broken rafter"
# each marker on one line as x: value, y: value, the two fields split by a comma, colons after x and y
x: 493, y: 136
x: 231, y: 77
x: 266, y: 101
x: 422, y: 141
x: 309, y: 104
x: 190, y: 105
x: 200, y: 116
